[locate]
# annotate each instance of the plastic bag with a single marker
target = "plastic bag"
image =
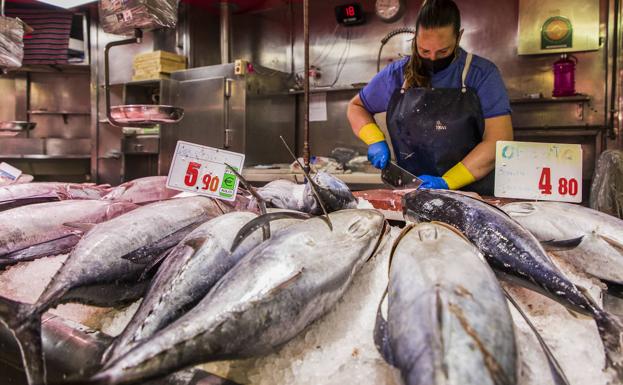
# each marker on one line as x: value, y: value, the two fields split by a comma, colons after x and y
x: 11, y: 42
x: 607, y: 188
x: 121, y: 17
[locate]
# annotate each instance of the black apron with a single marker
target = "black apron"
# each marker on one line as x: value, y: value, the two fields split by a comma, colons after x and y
x: 434, y: 129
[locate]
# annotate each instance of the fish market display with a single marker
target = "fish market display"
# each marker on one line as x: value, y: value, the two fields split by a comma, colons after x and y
x: 514, y: 252
x: 442, y: 301
x: 188, y: 273
x: 268, y: 298
x: 142, y: 190
x: 43, y: 229
x: 600, y: 252
x: 118, y: 251
x: 16, y: 195
x: 285, y: 194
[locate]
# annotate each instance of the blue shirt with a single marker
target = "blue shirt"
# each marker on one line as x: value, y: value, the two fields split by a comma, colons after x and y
x: 483, y: 77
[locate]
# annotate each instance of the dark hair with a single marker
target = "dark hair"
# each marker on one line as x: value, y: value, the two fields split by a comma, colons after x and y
x: 433, y: 14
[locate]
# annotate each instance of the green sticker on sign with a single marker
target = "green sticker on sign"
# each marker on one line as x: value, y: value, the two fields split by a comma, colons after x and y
x: 228, y: 185
x: 557, y: 32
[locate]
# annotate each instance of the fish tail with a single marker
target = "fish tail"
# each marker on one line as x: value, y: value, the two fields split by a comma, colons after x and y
x: 26, y: 329
x: 109, y: 352
x: 611, y: 331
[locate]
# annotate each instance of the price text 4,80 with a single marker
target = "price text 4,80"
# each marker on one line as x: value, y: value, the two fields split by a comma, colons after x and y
x: 565, y: 186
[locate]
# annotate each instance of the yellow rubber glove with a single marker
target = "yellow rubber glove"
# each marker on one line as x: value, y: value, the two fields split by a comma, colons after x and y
x: 371, y: 133
x: 458, y: 176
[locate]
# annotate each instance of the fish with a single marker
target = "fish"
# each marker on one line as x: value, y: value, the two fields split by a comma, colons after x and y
x: 515, y: 254
x: 117, y: 251
x: 51, y: 228
x: 286, y: 194
x: 442, y: 299
x: 268, y: 298
x: 142, y: 190
x: 187, y: 274
x: 600, y: 250
x: 22, y: 194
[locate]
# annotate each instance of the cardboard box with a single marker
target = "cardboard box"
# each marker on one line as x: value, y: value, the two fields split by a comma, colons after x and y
x: 158, y: 56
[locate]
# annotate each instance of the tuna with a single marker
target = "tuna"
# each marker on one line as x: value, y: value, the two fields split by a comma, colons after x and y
x: 28, y: 193
x: 514, y: 253
x: 268, y: 298
x: 334, y: 193
x: 52, y: 228
x: 600, y: 252
x: 442, y: 300
x: 142, y: 190
x: 188, y: 273
x: 117, y: 251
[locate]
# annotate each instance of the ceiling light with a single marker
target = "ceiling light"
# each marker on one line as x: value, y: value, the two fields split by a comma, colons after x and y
x: 67, y: 3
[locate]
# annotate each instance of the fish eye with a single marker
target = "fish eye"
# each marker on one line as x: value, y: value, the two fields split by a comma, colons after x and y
x: 358, y: 228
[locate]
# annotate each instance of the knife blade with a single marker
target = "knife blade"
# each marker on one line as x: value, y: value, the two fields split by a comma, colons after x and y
x: 396, y: 176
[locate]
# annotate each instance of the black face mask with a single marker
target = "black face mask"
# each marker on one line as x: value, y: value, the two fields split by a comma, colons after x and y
x: 438, y: 65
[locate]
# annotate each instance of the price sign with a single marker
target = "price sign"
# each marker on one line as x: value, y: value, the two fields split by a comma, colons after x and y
x: 202, y: 170
x: 541, y: 171
x: 9, y: 172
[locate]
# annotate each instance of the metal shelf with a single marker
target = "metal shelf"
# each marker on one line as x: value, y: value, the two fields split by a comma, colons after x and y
x: 43, y: 156
x: 328, y: 89
x: 564, y: 99
x: 53, y: 68
x: 43, y: 112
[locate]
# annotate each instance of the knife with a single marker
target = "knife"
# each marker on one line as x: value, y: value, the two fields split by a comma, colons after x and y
x: 397, y: 176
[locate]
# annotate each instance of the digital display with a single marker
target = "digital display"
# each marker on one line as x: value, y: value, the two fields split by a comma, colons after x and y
x: 349, y: 14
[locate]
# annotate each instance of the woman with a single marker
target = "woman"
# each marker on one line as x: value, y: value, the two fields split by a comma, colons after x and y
x: 445, y: 108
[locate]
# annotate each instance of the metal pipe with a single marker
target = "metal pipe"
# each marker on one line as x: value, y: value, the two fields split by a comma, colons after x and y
x: 306, y: 149
x: 225, y: 32
x: 138, y: 36
x: 2, y: 8
x: 616, y: 78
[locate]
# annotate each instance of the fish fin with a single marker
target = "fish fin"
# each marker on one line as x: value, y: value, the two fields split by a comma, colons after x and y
x: 83, y: 227
x: 261, y: 203
x: 26, y: 330
x: 562, y: 245
x: 250, y: 227
x: 312, y: 184
x: 559, y: 375
x: 286, y: 283
x: 116, y: 192
x: 154, y: 263
x: 381, y: 337
x: 145, y: 254
x: 612, y: 242
x: 575, y: 314
x: 381, y: 241
x: 610, y: 331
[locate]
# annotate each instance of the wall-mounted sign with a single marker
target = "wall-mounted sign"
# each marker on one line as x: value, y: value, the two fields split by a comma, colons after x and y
x: 557, y: 32
x: 558, y: 26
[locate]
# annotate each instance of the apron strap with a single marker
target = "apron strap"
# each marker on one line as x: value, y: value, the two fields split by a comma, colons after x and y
x: 468, y: 63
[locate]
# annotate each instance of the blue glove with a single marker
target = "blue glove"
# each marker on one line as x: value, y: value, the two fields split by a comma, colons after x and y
x: 378, y: 154
x: 435, y: 182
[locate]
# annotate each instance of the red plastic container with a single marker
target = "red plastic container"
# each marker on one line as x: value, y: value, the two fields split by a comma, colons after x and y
x: 564, y: 76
